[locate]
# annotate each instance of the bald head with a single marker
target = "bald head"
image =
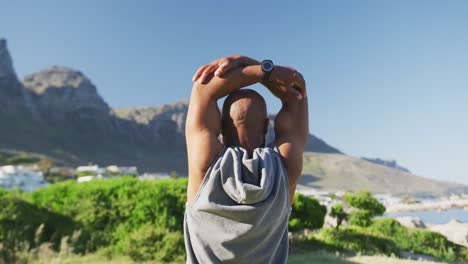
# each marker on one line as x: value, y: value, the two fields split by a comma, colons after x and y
x: 244, y: 119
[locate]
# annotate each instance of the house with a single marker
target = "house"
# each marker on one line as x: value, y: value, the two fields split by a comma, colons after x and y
x: 24, y: 178
x: 128, y: 170
x: 93, y: 169
x: 85, y: 178
x: 116, y: 170
x: 154, y: 176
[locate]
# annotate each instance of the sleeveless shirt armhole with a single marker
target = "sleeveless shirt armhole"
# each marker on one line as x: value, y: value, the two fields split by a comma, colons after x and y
x: 286, y: 175
x: 205, y: 178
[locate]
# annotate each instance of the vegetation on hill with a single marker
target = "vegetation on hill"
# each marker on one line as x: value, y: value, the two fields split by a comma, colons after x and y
x: 22, y: 158
x: 367, y: 207
x: 125, y: 216
x: 144, y: 220
x: 369, y: 235
x: 306, y: 213
x: 384, y: 237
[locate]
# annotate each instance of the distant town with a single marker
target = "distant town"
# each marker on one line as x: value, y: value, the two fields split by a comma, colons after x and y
x: 28, y: 178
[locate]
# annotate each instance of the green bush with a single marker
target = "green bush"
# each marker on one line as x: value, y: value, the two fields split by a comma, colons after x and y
x: 115, y: 213
x: 20, y: 222
x: 307, y: 212
x: 384, y: 236
x: 144, y: 219
x: 357, y: 239
x: 368, y: 207
x: 437, y: 245
x: 104, y: 207
x: 360, y: 218
x: 420, y: 240
x: 392, y: 228
x: 338, y: 212
x: 154, y: 243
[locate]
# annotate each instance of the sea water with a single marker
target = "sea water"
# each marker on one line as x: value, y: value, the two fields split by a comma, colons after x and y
x: 435, y: 217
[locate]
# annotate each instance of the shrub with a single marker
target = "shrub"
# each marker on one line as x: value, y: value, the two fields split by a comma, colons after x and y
x: 358, y: 239
x: 338, y: 212
x: 154, y: 243
x: 19, y: 222
x: 392, y: 228
x: 368, y: 207
x: 307, y: 212
x: 360, y: 218
x: 104, y: 207
x: 435, y: 244
x: 420, y: 240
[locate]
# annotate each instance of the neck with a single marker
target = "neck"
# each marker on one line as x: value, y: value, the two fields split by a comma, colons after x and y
x: 245, y: 139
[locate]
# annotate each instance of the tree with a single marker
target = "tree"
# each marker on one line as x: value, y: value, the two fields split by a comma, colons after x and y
x: 338, y: 212
x: 367, y: 207
x: 307, y: 212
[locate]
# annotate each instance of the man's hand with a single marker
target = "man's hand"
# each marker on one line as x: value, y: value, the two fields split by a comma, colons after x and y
x: 222, y: 66
x: 286, y: 81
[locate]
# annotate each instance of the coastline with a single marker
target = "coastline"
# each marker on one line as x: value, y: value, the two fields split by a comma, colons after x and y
x: 442, y: 204
x: 454, y: 229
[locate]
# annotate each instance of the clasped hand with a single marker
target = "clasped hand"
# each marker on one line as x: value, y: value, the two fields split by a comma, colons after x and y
x: 283, y: 82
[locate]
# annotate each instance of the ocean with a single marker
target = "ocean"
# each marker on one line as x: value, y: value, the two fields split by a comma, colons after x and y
x: 435, y: 217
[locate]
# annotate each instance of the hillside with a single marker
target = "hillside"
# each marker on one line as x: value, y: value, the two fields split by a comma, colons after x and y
x: 333, y: 172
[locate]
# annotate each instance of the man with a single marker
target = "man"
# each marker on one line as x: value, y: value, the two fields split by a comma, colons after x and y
x: 239, y: 191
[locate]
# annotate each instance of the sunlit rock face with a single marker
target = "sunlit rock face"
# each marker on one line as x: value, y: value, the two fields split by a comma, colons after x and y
x: 65, y: 94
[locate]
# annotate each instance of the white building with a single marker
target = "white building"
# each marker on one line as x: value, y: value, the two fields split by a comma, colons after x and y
x: 21, y: 177
x: 129, y: 170
x: 85, y: 178
x: 92, y: 169
x: 89, y: 173
x: 113, y: 169
x: 154, y: 176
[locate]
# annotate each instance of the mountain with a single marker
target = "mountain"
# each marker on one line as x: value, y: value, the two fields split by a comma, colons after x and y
x: 59, y: 112
x: 333, y: 172
x: 388, y: 163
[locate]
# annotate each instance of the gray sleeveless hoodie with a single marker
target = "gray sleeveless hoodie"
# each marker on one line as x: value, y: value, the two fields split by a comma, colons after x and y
x: 240, y: 213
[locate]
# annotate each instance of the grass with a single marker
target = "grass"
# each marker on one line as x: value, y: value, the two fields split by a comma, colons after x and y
x: 318, y: 257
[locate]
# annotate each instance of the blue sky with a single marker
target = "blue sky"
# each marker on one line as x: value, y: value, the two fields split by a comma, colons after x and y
x: 385, y: 78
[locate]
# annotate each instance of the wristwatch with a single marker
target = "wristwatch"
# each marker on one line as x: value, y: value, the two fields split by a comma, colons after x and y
x: 267, y: 69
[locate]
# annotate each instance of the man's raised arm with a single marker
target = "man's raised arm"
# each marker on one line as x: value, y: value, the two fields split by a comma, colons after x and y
x: 203, y: 123
x: 291, y: 122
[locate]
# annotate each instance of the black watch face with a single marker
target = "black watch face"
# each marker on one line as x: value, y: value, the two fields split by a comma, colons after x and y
x: 267, y: 66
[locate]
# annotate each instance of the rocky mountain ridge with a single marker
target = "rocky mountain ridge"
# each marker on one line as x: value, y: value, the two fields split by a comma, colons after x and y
x: 62, y: 113
x: 59, y: 112
x: 387, y: 163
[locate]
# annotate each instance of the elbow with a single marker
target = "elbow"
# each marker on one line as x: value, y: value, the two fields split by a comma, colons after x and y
x: 305, y: 139
x: 203, y: 90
